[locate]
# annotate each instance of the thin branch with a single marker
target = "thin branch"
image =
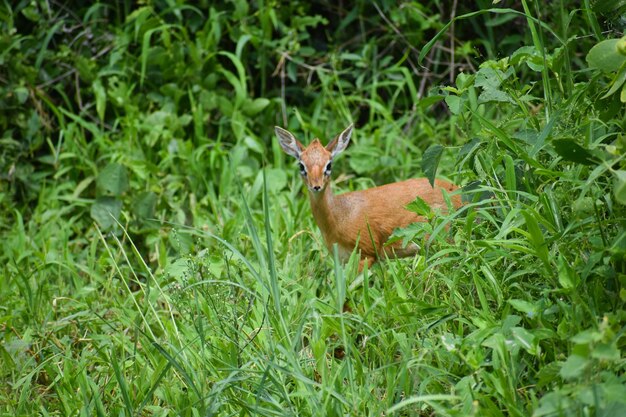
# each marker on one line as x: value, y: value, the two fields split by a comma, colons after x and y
x: 280, y: 71
x: 73, y: 70
x: 452, y: 66
x: 282, y: 91
x: 396, y: 30
x: 77, y: 87
x: 302, y: 64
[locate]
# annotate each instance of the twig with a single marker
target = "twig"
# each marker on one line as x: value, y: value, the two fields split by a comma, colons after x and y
x: 77, y: 86
x: 73, y: 70
x: 283, y: 100
x: 302, y: 64
x: 452, y: 16
x: 395, y: 29
x: 280, y: 70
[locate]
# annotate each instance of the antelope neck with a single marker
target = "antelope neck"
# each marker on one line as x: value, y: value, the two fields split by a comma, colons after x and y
x: 321, y: 207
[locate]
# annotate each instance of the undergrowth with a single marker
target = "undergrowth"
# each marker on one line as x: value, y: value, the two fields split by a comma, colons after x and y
x: 159, y: 256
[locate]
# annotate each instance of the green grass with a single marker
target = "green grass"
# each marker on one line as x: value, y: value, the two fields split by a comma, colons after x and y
x: 158, y: 252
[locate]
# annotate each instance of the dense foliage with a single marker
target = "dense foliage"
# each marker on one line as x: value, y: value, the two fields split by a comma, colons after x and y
x: 159, y: 257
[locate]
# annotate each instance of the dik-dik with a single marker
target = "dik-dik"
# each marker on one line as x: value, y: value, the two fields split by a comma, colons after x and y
x: 360, y: 218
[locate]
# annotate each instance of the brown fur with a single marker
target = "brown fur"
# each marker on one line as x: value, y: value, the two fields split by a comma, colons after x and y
x: 366, y: 217
x: 370, y: 216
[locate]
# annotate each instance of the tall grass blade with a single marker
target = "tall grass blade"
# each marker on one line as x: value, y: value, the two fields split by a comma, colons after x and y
x: 122, y: 384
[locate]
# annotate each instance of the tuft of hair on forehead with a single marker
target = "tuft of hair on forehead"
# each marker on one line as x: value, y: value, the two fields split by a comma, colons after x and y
x: 315, y: 153
x: 315, y: 147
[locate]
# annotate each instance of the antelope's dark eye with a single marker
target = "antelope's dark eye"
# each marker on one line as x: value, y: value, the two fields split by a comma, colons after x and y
x: 302, y: 168
x: 329, y: 166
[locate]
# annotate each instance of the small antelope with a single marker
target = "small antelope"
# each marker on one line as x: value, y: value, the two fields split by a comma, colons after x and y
x: 365, y: 218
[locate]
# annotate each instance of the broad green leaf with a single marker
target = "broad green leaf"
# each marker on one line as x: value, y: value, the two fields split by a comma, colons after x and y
x: 619, y: 187
x: 420, y: 207
x: 618, y: 82
x: 551, y: 404
x: 567, y: 276
x: 573, y: 367
x: 252, y: 107
x: 463, y: 81
x: 532, y: 57
x: 21, y: 93
x: 33, y: 124
x: 454, y: 103
x: 225, y: 105
x: 238, y: 124
x: 113, y: 179
x: 569, y: 150
x: 522, y: 53
x: 604, y: 56
x: 31, y: 12
x: 615, y: 391
x: 105, y: 211
x: 489, y: 78
x: 254, y: 144
x: 275, y: 179
x: 144, y: 205
x: 430, y: 162
x: 583, y: 206
x: 426, y: 102
x: 85, y: 68
x: 525, y: 339
x: 179, y: 269
x: 546, y: 374
x: 311, y: 21
x: 606, y: 351
x: 587, y: 337
x: 524, y: 306
x: 494, y: 95
x: 450, y: 341
x: 413, y: 232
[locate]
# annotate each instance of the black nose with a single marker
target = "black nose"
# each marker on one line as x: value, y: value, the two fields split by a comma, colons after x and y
x: 316, y: 188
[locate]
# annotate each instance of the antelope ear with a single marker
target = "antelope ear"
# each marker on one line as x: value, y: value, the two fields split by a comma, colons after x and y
x: 340, y: 143
x: 288, y: 142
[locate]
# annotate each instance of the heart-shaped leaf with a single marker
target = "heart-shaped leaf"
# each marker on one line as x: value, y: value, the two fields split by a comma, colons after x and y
x: 113, y: 179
